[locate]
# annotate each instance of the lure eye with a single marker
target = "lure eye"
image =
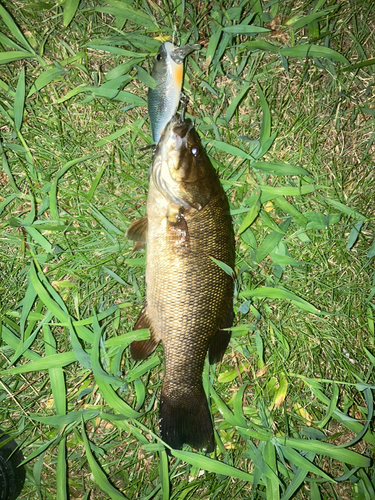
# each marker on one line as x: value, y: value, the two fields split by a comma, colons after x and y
x: 194, y: 151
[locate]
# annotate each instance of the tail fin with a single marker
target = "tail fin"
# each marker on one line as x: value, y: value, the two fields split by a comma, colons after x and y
x: 185, y: 418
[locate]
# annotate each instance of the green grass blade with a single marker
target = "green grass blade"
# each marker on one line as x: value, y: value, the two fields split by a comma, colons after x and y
x: 296, y: 482
x: 291, y: 191
x: 61, y: 472
x: 345, y: 209
x: 305, y: 20
x: 95, y: 183
x: 14, y: 55
x: 107, y: 224
x: 271, y: 473
x: 241, y: 29
x: 256, y: 433
x: 265, y: 130
x: 212, y: 44
x: 39, y: 239
x: 137, y: 16
x: 164, y: 474
x: 46, y: 298
x: 299, y: 461
x: 28, y: 337
x: 371, y: 252
x: 349, y: 422
x: 40, y: 449
x: 279, y: 168
x: 251, y: 215
x: 331, y: 407
x: 19, y: 100
x: 280, y: 293
x: 9, y: 174
x: 69, y: 418
x: 313, y: 51
x: 4, y: 40
x: 224, y: 410
x: 47, y: 294
x: 327, y: 449
x: 27, y: 304
x: 238, y: 405
x: 145, y: 77
x: 142, y: 368
x: 368, y: 485
x: 13, y: 28
x: 261, y: 45
x: 370, y: 416
x: 57, y: 378
x: 70, y: 8
x: 55, y: 360
x: 271, y: 241
x: 115, y: 401
x: 227, y: 269
x: 236, y: 101
x: 353, y: 236
x: 127, y: 338
x: 288, y: 208
x: 362, y: 64
x: 231, y: 150
x: 13, y: 341
x: 100, y: 478
x: 210, y: 465
x: 315, y: 493
x: 97, y: 369
x: 45, y: 78
x: 54, y: 185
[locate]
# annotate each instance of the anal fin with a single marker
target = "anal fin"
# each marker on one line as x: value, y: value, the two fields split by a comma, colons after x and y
x: 219, y: 342
x: 140, y: 349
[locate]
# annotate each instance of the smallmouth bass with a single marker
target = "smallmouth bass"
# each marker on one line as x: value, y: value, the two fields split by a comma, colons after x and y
x: 168, y: 71
x: 189, y: 298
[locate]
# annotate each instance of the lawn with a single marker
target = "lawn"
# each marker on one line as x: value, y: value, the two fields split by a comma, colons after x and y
x: 282, y: 94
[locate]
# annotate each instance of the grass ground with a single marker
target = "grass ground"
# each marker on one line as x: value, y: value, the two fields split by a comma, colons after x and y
x: 282, y: 94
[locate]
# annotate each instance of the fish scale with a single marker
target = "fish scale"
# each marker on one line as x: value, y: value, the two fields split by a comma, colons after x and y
x: 189, y: 297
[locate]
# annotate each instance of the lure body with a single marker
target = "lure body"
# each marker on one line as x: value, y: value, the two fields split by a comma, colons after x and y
x: 168, y: 73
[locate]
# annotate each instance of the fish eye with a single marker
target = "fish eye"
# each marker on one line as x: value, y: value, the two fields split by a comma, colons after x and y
x: 159, y: 57
x: 194, y: 151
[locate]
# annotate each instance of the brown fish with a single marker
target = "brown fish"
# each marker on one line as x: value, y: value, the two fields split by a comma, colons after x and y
x: 189, y: 298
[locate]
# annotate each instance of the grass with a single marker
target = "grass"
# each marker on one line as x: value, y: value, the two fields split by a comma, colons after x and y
x: 285, y: 110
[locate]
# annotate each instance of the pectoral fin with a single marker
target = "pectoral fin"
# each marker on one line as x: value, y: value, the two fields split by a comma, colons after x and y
x: 140, y: 349
x: 137, y: 231
x: 220, y: 340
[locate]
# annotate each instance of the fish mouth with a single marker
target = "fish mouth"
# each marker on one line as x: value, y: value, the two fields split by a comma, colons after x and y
x: 175, y: 134
x: 182, y: 127
x: 178, y: 54
x: 166, y: 160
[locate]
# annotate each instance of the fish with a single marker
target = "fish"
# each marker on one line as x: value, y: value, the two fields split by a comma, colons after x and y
x: 189, y: 297
x: 167, y: 72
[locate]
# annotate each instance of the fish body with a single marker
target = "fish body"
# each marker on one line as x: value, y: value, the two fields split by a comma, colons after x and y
x: 167, y: 72
x: 189, y: 298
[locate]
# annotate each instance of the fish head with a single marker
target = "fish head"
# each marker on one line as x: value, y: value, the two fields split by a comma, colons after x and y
x: 181, y: 168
